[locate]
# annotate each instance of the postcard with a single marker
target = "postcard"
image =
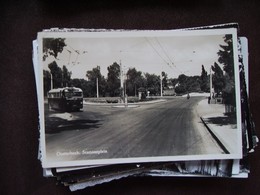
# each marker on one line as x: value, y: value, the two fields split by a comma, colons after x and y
x: 115, y: 97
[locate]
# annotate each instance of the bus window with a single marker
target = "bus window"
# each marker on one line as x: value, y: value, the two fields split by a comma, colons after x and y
x: 68, y: 94
x: 78, y: 94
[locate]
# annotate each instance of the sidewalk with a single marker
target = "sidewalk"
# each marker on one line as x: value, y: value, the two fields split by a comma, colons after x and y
x: 220, y: 126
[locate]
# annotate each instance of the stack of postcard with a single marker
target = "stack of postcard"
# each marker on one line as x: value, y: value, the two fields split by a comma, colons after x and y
x: 121, y: 103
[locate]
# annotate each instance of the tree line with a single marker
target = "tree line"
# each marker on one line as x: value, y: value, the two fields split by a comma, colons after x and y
x: 134, y: 81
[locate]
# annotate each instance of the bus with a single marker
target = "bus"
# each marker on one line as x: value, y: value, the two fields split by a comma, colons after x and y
x: 65, y: 99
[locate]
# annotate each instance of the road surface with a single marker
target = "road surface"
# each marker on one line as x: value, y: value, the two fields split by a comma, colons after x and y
x: 167, y: 128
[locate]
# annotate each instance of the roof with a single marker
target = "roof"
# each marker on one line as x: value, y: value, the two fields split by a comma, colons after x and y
x: 66, y: 89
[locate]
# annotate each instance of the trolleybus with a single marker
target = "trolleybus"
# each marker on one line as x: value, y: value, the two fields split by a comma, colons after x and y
x: 65, y: 99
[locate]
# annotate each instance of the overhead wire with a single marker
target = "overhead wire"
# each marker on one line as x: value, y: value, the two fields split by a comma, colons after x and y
x: 69, y: 55
x: 77, y: 54
x: 164, y: 51
x: 166, y: 54
x: 156, y: 51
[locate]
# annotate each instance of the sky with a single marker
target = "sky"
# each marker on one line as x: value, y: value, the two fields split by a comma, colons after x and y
x: 174, y: 54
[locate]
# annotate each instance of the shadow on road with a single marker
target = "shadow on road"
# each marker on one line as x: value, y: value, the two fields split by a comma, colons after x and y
x: 222, y: 120
x: 56, y: 125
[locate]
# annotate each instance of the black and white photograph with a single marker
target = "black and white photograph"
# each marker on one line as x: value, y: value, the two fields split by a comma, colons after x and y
x: 114, y: 97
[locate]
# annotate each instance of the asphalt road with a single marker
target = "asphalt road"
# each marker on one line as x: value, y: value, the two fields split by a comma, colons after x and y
x: 168, y: 128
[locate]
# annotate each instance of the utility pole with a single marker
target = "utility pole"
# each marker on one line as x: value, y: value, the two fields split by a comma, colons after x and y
x: 161, y: 84
x: 97, y: 88
x: 98, y: 68
x: 62, y: 78
x: 210, y: 83
x: 51, y: 81
x: 121, y: 81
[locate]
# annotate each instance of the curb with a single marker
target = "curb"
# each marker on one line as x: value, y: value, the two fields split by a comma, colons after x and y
x: 114, y: 104
x: 215, y: 137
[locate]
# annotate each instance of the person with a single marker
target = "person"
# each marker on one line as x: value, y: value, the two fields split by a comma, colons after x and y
x: 209, y: 98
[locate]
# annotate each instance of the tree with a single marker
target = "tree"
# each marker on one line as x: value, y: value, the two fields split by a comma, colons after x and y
x: 173, y: 81
x: 66, y: 77
x: 187, y: 84
x: 229, y: 96
x: 164, y: 80
x: 134, y: 81
x: 181, y: 87
x: 56, y: 73
x: 52, y: 46
x: 182, y: 79
x: 193, y: 84
x: 113, y: 79
x: 84, y: 85
x: 218, y: 80
x: 92, y: 76
x: 226, y: 56
x: 46, y: 81
x: 152, y: 83
x: 204, y: 80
